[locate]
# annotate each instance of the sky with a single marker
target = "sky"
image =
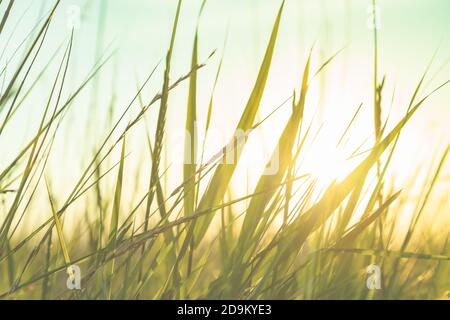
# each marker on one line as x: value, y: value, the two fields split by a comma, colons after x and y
x: 410, y: 33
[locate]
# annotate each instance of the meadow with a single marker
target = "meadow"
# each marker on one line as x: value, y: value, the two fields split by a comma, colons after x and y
x: 102, y: 196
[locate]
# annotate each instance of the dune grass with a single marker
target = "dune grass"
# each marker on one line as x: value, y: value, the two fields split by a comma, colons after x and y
x: 191, y: 242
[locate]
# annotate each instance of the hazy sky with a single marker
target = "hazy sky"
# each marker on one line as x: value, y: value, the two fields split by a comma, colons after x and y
x: 410, y: 32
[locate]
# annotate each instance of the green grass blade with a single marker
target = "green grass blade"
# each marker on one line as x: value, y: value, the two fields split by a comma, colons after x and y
x: 190, y: 157
x: 222, y: 176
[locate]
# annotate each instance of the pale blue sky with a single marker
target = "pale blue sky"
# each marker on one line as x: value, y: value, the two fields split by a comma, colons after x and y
x: 411, y: 30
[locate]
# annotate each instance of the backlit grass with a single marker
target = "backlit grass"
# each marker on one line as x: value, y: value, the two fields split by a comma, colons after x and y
x: 294, y: 235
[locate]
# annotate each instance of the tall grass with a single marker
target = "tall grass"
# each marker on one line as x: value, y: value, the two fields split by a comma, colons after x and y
x: 290, y: 241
